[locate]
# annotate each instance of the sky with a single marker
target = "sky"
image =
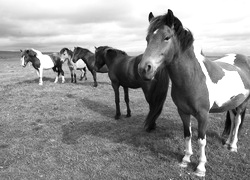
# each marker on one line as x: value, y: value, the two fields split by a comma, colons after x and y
x: 219, y: 26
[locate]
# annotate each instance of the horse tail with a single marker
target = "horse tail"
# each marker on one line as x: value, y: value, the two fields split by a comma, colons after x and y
x: 228, y: 122
x: 242, y: 118
x: 55, y: 69
x: 156, y: 97
x: 227, y: 125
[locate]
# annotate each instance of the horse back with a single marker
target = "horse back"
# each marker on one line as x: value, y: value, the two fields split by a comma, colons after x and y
x: 125, y: 70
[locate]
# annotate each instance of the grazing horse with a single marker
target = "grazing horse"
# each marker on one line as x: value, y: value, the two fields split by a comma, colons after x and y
x: 41, y: 61
x: 123, y: 71
x: 66, y: 54
x: 199, y: 86
x: 89, y: 59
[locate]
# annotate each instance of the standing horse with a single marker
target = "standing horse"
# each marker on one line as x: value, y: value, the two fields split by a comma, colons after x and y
x: 66, y: 54
x: 89, y: 59
x: 199, y: 86
x: 41, y: 61
x: 123, y: 72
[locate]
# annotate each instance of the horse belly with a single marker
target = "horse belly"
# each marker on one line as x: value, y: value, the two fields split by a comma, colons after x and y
x: 46, y: 62
x: 80, y: 64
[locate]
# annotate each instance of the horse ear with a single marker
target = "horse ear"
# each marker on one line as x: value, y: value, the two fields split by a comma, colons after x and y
x: 95, y: 48
x: 21, y: 50
x: 111, y: 53
x: 170, y: 18
x: 150, y: 16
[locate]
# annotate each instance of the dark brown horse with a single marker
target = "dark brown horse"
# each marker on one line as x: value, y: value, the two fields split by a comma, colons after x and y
x: 199, y: 86
x: 89, y: 58
x: 123, y: 71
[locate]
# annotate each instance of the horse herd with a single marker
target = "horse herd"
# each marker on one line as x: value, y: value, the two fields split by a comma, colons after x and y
x: 199, y: 86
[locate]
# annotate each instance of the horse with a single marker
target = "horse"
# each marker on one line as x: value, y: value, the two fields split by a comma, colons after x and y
x: 42, y: 61
x: 199, y: 86
x: 66, y: 54
x: 123, y: 72
x: 89, y: 58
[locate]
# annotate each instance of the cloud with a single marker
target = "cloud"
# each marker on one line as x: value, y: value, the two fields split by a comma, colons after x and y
x: 53, y: 24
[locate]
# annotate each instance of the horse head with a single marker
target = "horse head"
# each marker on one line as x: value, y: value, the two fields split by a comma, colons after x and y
x: 102, y: 53
x: 76, y: 54
x: 27, y: 56
x: 166, y: 39
x: 65, y: 54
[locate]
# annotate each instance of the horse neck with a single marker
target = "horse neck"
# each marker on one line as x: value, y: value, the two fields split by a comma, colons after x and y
x: 87, y: 56
x: 33, y: 61
x: 184, y: 68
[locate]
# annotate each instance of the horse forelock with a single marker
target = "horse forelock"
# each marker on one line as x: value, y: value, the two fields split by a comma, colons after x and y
x: 184, y: 35
x: 70, y: 53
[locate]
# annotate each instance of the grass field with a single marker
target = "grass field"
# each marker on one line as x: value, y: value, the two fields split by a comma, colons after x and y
x: 67, y: 131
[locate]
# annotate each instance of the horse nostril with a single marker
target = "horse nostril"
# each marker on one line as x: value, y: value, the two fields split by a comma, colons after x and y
x: 148, y: 67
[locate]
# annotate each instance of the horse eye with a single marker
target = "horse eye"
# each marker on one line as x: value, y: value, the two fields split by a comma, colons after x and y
x: 167, y: 38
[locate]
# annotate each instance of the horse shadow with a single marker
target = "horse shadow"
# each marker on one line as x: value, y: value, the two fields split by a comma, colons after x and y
x: 126, y: 130
x: 36, y: 80
x: 98, y: 107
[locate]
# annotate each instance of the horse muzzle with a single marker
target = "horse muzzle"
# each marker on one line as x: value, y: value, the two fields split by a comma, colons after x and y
x: 146, y: 71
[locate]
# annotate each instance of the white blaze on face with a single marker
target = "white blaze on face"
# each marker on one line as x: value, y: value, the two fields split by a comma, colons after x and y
x: 229, y: 86
x: 22, y: 61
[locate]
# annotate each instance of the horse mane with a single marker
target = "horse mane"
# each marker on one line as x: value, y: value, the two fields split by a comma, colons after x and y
x: 84, y: 49
x: 68, y: 51
x: 102, y: 48
x: 184, y: 35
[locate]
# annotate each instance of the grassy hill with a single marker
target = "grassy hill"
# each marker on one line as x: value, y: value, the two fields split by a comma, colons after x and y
x: 67, y: 131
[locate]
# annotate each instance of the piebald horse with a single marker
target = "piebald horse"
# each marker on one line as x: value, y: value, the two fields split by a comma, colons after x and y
x: 66, y: 54
x: 42, y: 61
x: 89, y: 58
x: 199, y: 86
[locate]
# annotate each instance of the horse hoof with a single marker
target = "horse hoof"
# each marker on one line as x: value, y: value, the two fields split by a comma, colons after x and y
x: 149, y: 129
x: 184, y: 164
x: 232, y: 149
x: 128, y: 115
x: 200, y: 173
x: 226, y: 146
x: 117, y: 116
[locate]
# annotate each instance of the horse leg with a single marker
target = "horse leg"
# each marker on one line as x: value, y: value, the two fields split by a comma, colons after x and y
x: 71, y: 74
x: 62, y: 73
x: 202, y: 118
x: 57, y: 77
x: 81, y: 76
x: 75, y: 81
x: 94, y: 77
x: 232, y: 125
x: 188, y: 137
x: 40, y: 71
x: 126, y: 98
x: 85, y: 73
x: 117, y: 100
